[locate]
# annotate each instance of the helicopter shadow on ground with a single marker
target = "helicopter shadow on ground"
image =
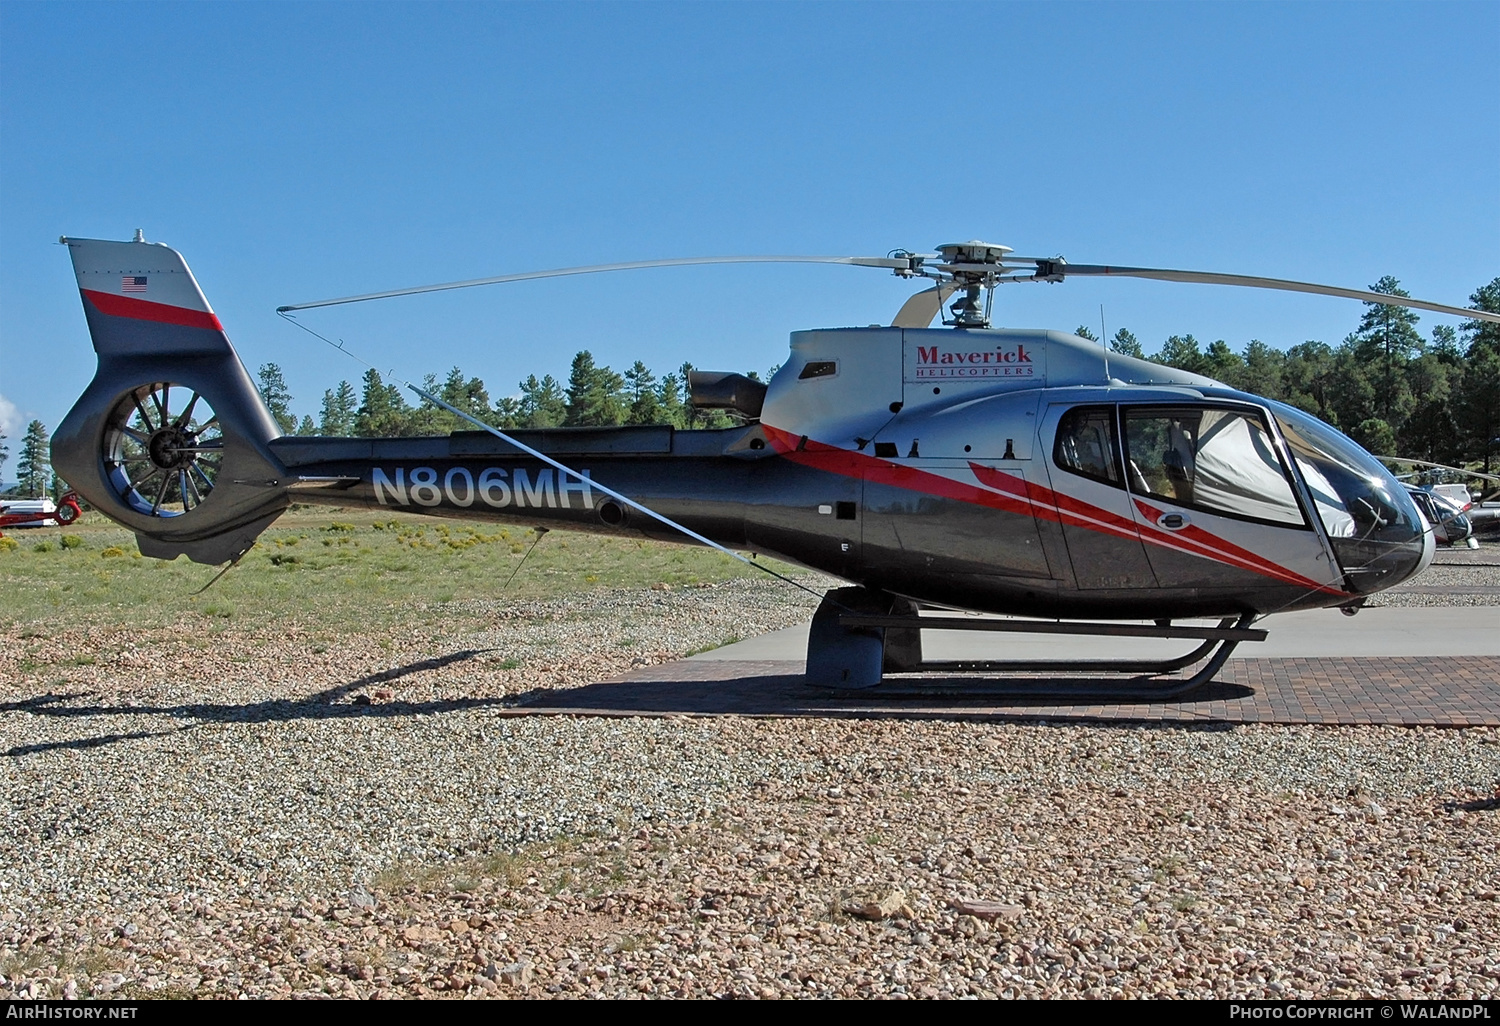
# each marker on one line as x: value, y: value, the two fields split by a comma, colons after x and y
x: 787, y: 694
x: 327, y: 704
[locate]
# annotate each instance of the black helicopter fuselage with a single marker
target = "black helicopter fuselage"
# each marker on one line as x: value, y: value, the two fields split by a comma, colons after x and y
x: 734, y: 487
x: 1010, y: 471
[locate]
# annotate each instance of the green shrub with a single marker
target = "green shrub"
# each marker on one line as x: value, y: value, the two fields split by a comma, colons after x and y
x: 112, y: 552
x: 71, y: 541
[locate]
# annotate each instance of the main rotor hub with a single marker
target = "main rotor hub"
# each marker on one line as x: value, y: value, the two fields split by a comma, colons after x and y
x: 973, y: 252
x: 973, y: 266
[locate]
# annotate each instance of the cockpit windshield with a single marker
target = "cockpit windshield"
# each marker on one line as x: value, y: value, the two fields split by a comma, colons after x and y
x: 1370, y: 519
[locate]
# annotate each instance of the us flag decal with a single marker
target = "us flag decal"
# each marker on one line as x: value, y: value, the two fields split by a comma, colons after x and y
x: 133, y: 283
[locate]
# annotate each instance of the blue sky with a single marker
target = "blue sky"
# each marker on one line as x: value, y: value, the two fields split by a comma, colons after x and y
x: 300, y: 151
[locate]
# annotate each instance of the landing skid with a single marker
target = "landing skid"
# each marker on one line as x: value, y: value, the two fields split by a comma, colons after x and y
x: 858, y: 636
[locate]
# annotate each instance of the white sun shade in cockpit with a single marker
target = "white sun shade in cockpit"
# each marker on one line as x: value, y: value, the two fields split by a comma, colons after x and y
x: 1238, y: 470
x: 1336, y: 518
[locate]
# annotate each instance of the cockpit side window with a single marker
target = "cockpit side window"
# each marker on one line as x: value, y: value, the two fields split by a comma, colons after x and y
x: 1221, y: 461
x: 1086, y: 444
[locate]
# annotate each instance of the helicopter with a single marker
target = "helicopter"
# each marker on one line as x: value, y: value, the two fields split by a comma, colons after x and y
x: 941, y: 471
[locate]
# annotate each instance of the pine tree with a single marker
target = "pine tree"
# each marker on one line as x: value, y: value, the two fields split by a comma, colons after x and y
x: 1445, y: 345
x: 1352, y: 394
x: 1376, y: 436
x: 4, y: 450
x: 1478, y: 405
x: 1126, y: 344
x: 1307, y: 379
x: 307, y: 427
x: 467, y: 394
x: 1084, y: 332
x: 1429, y: 431
x: 669, y: 401
x: 1181, y: 351
x: 382, y: 411
x: 1223, y: 364
x: 1264, y: 369
x: 1387, y: 335
x: 339, y: 409
x: 33, y: 461
x: 277, y: 398
x: 542, y: 403
x: 595, y: 394
x: 692, y: 417
x: 640, y: 390
x: 507, y: 412
x: 1484, y: 333
x: 428, y: 418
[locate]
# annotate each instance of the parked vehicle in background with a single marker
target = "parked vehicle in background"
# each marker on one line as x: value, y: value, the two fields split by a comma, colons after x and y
x: 39, y: 512
x: 1450, y: 524
x: 1455, y: 493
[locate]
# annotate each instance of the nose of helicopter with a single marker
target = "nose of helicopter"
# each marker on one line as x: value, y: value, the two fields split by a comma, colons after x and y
x: 1429, y: 549
x: 1378, y: 535
x: 1395, y: 548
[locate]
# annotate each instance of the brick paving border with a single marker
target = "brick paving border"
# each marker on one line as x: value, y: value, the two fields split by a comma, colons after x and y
x: 1403, y: 691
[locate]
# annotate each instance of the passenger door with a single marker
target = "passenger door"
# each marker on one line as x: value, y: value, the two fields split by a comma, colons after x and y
x: 1089, y: 499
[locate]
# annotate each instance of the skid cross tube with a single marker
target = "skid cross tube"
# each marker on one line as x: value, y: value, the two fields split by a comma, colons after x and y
x: 1116, y: 630
x: 1218, y: 643
x: 1068, y: 665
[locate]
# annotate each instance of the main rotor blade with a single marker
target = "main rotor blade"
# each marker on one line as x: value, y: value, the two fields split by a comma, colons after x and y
x: 1060, y: 270
x: 890, y: 263
x: 1439, y: 466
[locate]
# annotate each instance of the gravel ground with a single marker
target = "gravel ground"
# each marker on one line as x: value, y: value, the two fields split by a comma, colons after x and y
x: 257, y: 814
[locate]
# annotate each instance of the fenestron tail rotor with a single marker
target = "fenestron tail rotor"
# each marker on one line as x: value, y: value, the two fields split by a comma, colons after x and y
x: 162, y: 450
x: 967, y: 268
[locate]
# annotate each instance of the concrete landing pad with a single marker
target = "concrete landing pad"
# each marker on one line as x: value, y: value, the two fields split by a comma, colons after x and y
x: 1398, y: 667
x: 1437, y: 631
x: 1461, y: 691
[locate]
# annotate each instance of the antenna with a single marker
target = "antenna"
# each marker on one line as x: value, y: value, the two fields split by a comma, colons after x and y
x: 1103, y: 332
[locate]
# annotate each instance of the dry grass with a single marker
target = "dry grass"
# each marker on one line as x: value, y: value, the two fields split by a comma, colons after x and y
x: 355, y: 569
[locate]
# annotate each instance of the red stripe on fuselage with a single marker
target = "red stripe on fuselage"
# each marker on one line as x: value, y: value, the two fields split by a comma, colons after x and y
x: 833, y: 460
x: 143, y: 310
x: 1015, y: 495
x: 1193, y: 538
